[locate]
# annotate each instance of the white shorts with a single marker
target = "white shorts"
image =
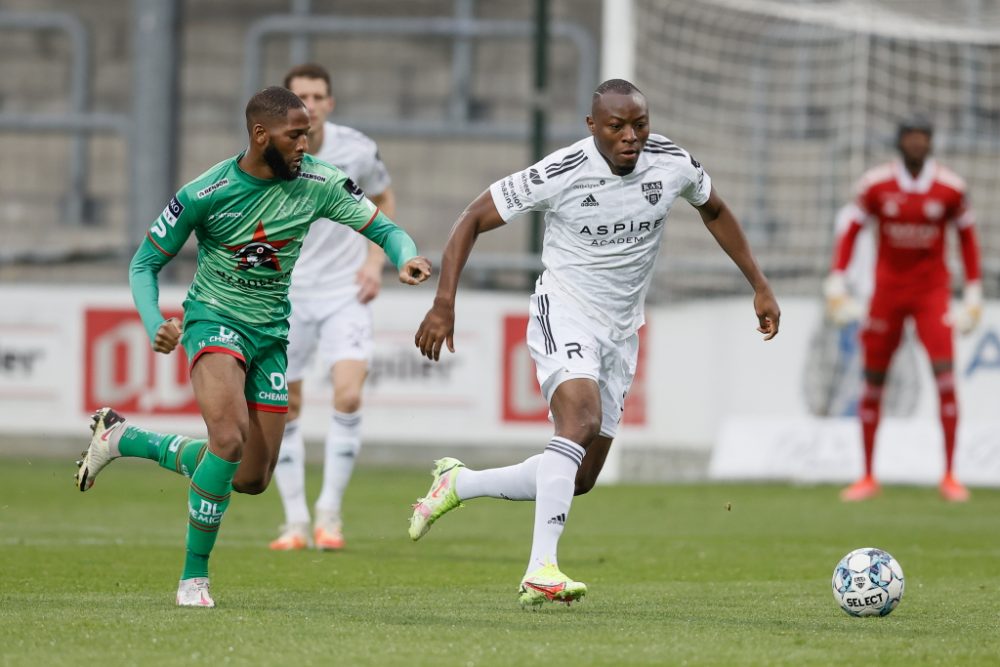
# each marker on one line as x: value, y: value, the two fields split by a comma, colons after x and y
x: 340, y: 327
x: 565, y: 345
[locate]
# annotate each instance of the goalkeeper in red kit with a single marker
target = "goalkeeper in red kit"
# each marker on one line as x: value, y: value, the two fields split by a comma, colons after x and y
x: 911, y: 201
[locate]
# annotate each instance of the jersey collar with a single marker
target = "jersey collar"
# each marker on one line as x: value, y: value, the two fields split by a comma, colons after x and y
x: 922, y: 183
x: 250, y: 177
x: 602, y: 166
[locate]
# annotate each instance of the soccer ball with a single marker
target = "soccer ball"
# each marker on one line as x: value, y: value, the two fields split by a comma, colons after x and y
x: 868, y: 582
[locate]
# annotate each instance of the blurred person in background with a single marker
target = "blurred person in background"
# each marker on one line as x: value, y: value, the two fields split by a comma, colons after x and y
x: 911, y: 200
x: 606, y: 199
x: 249, y: 213
x: 337, y: 276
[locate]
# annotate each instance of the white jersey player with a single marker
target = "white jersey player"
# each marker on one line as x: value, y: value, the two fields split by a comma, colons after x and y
x: 606, y: 201
x: 338, y: 274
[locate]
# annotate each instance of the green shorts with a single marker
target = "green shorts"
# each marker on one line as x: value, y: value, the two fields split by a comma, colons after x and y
x: 261, y: 350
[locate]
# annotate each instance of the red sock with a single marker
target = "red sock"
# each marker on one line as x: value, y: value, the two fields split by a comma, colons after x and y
x: 870, y: 410
x: 949, y: 416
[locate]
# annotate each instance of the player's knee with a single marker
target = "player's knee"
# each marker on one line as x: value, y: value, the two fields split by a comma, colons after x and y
x: 253, y: 484
x: 581, y: 427
x: 584, y: 483
x: 347, y: 402
x: 589, y: 428
x: 227, y: 443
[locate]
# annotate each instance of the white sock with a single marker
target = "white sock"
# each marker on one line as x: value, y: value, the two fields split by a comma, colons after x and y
x: 516, y: 482
x: 556, y: 481
x: 343, y: 440
x: 290, y: 474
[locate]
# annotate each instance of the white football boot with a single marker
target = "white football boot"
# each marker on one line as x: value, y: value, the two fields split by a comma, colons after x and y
x: 104, y: 422
x: 194, y: 593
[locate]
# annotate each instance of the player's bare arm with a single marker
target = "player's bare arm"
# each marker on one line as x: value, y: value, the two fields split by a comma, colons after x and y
x: 727, y: 232
x: 438, y: 326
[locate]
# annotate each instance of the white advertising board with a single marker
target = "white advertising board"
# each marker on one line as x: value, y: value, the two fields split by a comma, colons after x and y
x: 65, y: 351
x: 787, y: 440
x: 706, y: 382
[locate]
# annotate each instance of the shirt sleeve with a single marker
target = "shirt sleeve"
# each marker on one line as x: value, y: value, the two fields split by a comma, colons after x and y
x: 965, y: 222
x: 698, y: 188
x: 165, y: 237
x: 522, y: 191
x: 862, y: 198
x: 347, y: 204
x: 396, y: 243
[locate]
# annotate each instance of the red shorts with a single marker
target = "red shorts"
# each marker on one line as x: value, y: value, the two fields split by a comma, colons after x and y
x: 882, y: 330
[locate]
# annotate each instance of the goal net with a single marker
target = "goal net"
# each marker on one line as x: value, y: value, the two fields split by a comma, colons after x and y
x: 787, y: 102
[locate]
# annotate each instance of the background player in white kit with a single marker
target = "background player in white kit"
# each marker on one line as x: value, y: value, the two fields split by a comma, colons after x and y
x: 606, y: 199
x: 338, y: 274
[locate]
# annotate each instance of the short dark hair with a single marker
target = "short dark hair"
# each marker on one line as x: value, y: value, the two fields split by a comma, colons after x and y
x: 620, y: 86
x: 915, y: 122
x: 272, y: 102
x: 309, y: 71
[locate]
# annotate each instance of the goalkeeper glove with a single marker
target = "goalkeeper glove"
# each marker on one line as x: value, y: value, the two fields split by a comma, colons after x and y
x: 841, y: 308
x: 966, y: 316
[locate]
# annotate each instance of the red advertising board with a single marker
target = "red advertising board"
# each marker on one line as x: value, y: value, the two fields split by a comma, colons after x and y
x: 522, y: 397
x: 121, y: 369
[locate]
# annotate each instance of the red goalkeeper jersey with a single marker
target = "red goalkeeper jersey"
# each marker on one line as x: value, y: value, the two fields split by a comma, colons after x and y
x: 912, y: 215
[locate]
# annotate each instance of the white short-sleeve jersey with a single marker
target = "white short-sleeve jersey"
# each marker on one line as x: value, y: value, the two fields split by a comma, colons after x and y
x: 332, y: 254
x: 602, y: 231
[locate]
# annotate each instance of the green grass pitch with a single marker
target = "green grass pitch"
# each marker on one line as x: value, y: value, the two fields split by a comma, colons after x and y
x: 675, y: 578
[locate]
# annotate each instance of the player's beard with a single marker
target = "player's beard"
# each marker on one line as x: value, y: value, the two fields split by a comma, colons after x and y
x: 278, y: 166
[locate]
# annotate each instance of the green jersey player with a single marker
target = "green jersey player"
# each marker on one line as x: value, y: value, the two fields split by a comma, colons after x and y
x: 249, y: 214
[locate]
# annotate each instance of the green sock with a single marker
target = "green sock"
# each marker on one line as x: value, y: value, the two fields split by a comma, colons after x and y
x: 208, y: 498
x: 173, y: 452
x: 140, y: 443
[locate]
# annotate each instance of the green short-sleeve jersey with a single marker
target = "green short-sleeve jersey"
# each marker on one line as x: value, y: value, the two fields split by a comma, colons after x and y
x: 250, y: 233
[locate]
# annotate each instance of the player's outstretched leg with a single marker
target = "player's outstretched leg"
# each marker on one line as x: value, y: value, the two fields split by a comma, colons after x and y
x: 549, y: 584
x: 441, y: 497
x: 104, y: 423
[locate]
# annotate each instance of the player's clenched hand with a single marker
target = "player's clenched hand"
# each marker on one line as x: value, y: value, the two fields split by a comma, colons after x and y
x: 415, y: 271
x: 437, y: 328
x: 768, y: 313
x: 167, y: 336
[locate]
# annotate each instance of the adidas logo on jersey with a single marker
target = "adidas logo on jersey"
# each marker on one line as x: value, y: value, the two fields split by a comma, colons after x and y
x: 590, y: 201
x: 559, y: 519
